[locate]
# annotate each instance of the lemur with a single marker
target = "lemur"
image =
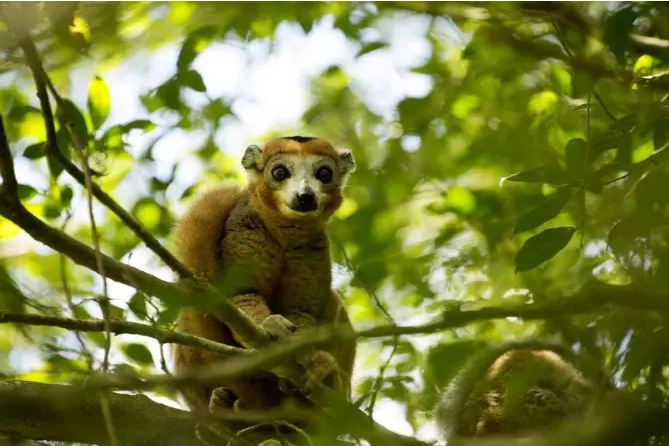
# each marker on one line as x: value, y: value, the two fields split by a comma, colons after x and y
x: 274, y: 231
x: 512, y: 389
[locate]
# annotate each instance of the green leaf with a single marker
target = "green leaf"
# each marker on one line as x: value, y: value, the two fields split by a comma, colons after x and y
x: 624, y: 236
x: 194, y: 44
x: 549, y: 208
x: 35, y: 151
x: 26, y: 192
x: 69, y: 116
x: 137, y: 305
x: 542, y: 247
x: 99, y: 101
x: 138, y: 353
x: 661, y: 133
x: 193, y: 79
x: 543, y: 174
x: 66, y: 195
x: 373, y: 46
x: 575, y: 157
x: 169, y: 95
x: 138, y: 124
x: 617, y: 31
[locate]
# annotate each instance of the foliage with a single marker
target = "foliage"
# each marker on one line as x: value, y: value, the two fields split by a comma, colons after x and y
x: 533, y: 164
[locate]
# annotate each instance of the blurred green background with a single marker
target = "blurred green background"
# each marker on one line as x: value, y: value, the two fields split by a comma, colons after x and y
x: 507, y: 153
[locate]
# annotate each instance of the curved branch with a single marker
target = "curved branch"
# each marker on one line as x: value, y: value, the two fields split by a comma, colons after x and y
x: 41, y: 82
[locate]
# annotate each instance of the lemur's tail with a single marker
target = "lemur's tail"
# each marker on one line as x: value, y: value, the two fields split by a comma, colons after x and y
x: 197, y: 236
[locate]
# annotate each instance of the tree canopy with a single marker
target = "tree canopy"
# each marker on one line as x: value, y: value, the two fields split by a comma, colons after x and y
x: 512, y: 184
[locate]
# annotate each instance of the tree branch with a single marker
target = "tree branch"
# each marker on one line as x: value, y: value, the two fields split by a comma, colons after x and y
x: 9, y: 185
x: 41, y: 81
x: 124, y: 327
x: 591, y: 297
x: 68, y: 413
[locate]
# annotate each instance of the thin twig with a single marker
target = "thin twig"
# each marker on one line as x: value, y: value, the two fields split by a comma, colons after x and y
x: 124, y: 327
x: 82, y: 151
x: 378, y: 381
x: 585, y: 173
x: 62, y: 262
x: 604, y: 107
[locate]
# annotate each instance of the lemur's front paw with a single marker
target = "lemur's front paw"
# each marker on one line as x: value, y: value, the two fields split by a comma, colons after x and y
x: 221, y: 398
x: 277, y: 326
x: 321, y: 367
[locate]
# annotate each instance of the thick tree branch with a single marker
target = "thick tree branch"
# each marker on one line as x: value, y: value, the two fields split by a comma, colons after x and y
x: 589, y: 298
x: 187, y: 292
x: 41, y: 81
x: 67, y: 413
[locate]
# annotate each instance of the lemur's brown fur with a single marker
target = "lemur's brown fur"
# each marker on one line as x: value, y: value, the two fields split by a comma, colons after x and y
x: 286, y: 271
x: 514, y: 391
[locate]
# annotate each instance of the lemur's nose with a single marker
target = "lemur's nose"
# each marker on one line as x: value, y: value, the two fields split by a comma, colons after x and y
x: 307, y: 201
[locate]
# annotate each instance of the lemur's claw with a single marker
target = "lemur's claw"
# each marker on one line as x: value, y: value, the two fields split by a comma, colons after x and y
x: 321, y: 367
x: 221, y: 398
x: 277, y: 326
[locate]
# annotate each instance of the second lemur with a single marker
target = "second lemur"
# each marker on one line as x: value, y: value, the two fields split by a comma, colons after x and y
x: 513, y: 389
x: 268, y: 242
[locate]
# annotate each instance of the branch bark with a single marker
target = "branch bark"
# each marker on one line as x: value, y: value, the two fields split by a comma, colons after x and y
x: 67, y: 413
x: 124, y: 327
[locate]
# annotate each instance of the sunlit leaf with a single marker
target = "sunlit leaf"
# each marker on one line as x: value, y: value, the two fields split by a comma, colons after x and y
x: 99, y: 101
x: 545, y: 174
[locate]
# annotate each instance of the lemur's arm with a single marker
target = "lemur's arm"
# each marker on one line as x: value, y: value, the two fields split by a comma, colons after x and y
x: 251, y: 263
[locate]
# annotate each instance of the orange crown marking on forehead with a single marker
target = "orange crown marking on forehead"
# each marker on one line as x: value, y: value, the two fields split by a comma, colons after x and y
x: 299, y: 144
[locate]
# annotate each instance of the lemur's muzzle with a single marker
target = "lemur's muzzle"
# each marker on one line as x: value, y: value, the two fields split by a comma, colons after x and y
x: 305, y: 202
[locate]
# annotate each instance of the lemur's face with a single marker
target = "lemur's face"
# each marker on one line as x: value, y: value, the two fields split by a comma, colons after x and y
x: 301, y: 183
x: 298, y: 177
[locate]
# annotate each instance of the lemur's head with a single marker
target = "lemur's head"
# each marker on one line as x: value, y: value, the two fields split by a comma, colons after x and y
x: 299, y: 177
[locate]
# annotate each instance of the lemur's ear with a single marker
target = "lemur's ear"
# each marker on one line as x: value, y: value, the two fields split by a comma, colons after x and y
x: 252, y: 159
x: 345, y: 162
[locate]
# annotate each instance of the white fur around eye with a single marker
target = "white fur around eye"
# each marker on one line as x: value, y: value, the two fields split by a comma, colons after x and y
x: 302, y: 179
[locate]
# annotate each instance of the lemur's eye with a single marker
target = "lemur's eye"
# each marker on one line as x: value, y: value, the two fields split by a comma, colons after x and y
x: 280, y: 173
x: 324, y: 175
